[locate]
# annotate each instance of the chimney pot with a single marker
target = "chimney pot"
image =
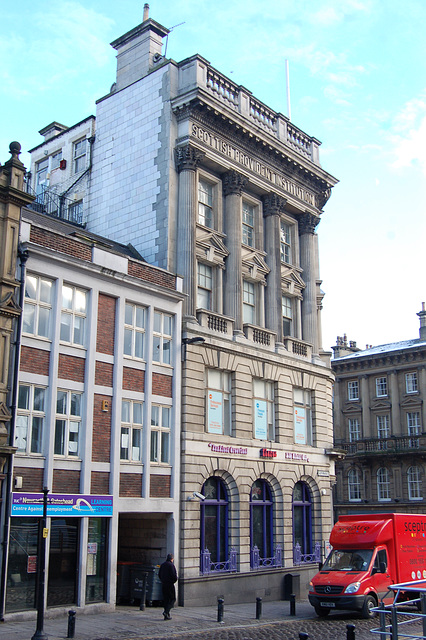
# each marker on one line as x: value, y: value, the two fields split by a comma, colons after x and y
x: 145, y: 11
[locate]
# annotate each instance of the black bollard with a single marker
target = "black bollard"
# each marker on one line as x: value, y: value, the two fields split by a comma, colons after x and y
x: 220, y: 602
x: 71, y: 624
x: 303, y: 636
x: 258, y: 608
x: 350, y: 632
x: 292, y: 604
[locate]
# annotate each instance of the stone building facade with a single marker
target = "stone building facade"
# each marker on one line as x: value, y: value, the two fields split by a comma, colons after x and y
x: 379, y: 418
x: 210, y: 183
x: 97, y: 417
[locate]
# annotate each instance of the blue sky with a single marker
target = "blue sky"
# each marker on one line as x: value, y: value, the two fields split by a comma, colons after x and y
x: 357, y: 83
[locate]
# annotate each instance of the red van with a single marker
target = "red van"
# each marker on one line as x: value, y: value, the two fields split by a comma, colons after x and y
x: 370, y: 552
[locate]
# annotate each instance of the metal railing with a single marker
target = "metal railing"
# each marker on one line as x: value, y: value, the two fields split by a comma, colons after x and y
x: 225, y: 566
x: 394, y: 444
x: 400, y: 617
x: 305, y: 558
x: 56, y: 205
x: 256, y: 562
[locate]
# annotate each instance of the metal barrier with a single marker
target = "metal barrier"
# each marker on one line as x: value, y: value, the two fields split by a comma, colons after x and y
x: 400, y: 618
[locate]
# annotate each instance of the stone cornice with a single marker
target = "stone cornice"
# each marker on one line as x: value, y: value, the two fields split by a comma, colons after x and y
x: 383, y: 361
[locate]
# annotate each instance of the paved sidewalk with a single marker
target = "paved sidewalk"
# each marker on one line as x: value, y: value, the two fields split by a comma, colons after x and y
x: 129, y: 622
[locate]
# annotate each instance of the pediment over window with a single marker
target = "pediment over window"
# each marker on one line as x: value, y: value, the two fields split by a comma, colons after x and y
x: 292, y: 281
x: 413, y: 401
x: 210, y: 247
x: 254, y: 265
x: 380, y: 405
x: 352, y: 407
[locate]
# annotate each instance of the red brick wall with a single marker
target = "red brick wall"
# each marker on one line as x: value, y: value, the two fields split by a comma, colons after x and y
x: 63, y: 244
x: 66, y: 481
x: 103, y: 373
x: 99, y: 483
x: 159, y: 486
x: 147, y: 273
x: 32, y: 479
x: 101, y: 443
x: 130, y: 485
x: 35, y: 361
x: 162, y: 385
x: 133, y: 379
x: 106, y: 324
x: 71, y: 368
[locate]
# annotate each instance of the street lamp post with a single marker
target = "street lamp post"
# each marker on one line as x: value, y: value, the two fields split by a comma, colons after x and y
x: 41, y: 570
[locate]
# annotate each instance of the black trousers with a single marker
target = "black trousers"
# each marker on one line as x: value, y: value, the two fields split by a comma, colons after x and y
x: 169, y: 597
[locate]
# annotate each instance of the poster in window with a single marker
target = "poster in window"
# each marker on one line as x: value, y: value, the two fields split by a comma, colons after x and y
x: 214, y: 412
x: 260, y: 420
x: 299, y: 425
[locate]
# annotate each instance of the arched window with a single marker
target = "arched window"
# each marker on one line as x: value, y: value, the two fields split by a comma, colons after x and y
x: 261, y: 525
x: 354, y: 485
x: 302, y: 519
x: 414, y: 483
x: 383, y: 485
x: 214, y: 527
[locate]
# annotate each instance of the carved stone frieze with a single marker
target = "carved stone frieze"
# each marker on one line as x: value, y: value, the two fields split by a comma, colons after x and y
x: 307, y: 223
x: 188, y: 158
x: 233, y: 183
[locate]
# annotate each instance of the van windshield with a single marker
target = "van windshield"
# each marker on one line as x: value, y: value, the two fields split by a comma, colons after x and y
x: 348, y: 560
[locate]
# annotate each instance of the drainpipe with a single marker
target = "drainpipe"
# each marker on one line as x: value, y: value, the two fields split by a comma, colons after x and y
x: 23, y: 255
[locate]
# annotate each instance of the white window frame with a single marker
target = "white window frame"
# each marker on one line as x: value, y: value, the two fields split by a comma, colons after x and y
x: 303, y: 429
x: 383, y: 429
x: 42, y: 170
x: 204, y: 286
x: 249, y: 302
x: 205, y: 203
x: 162, y: 337
x: 381, y: 387
x: 248, y: 224
x: 39, y: 307
x: 219, y: 402
x: 414, y: 426
x: 55, y: 160
x: 353, y: 390
x: 135, y: 317
x: 131, y: 430
x: 414, y: 482
x: 287, y: 314
x: 285, y: 242
x: 411, y: 382
x: 79, y: 152
x: 30, y: 414
x: 354, y: 485
x: 161, y: 422
x: 383, y: 485
x: 71, y: 429
x: 354, y: 429
x: 263, y: 409
x: 76, y: 315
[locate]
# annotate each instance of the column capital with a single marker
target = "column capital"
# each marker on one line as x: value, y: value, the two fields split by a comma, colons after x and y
x: 188, y: 158
x: 307, y: 223
x: 233, y: 182
x: 273, y: 204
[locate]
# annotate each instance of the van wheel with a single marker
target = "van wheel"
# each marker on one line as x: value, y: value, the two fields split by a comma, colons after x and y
x: 321, y: 612
x: 368, y: 606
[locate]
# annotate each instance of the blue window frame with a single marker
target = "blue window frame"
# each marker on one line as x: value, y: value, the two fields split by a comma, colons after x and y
x: 302, y: 519
x: 261, y: 522
x: 214, y: 524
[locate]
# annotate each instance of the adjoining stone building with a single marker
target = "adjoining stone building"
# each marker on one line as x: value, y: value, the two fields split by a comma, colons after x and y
x: 210, y: 183
x: 379, y: 418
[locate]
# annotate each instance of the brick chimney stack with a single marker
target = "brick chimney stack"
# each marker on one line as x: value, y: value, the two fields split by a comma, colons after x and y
x: 422, y: 316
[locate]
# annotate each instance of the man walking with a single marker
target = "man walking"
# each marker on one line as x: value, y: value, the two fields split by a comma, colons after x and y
x: 168, y: 577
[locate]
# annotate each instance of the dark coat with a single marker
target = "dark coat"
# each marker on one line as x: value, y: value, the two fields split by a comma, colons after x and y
x: 167, y: 573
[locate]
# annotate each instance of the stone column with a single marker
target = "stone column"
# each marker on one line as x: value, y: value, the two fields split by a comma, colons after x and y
x: 187, y: 160
x: 308, y: 262
x: 273, y: 205
x: 233, y: 185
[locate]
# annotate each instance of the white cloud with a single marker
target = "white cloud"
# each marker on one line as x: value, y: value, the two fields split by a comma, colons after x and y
x: 409, y: 138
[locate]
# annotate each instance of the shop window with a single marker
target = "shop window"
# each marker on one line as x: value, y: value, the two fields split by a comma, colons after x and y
x: 37, y: 306
x: 134, y: 331
x: 68, y: 423
x: 96, y: 560
x: 162, y: 338
x: 160, y: 433
x: 353, y: 390
x: 30, y: 418
x: 302, y: 521
x: 383, y: 485
x: 261, y: 526
x: 214, y: 527
x: 219, y: 402
x: 354, y: 485
x: 131, y: 430
x: 263, y: 410
x: 63, y: 562
x: 354, y: 429
x: 73, y: 314
x: 22, y: 564
x: 411, y: 385
x: 414, y: 483
x: 302, y: 416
